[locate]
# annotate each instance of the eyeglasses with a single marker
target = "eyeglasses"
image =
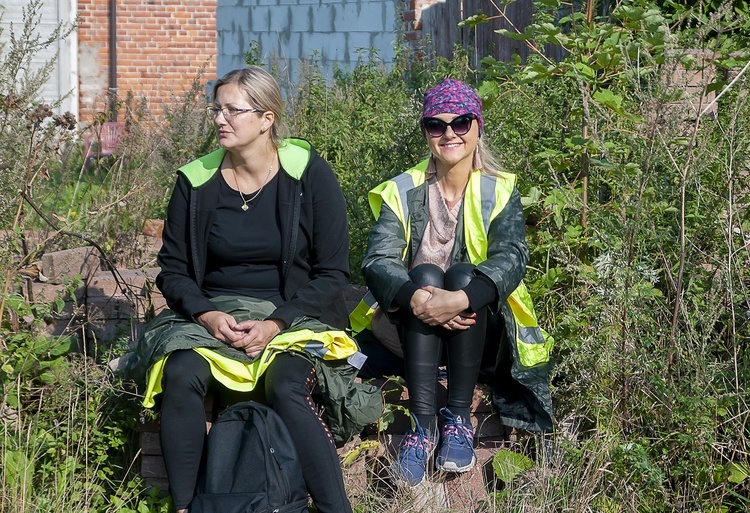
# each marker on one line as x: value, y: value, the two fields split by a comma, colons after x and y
x: 228, y: 112
x: 437, y: 127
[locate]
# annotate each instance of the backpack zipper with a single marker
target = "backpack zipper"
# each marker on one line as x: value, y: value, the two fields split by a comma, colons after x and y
x: 278, y: 465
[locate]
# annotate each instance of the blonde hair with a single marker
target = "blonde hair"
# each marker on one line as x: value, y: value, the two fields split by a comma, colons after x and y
x: 262, y: 93
x: 488, y: 162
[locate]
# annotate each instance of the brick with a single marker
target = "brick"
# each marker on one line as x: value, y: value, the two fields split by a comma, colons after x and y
x: 467, y: 491
x: 152, y: 466
x: 48, y: 292
x: 60, y: 327
x: 107, y: 330
x: 158, y: 302
x: 150, y: 443
x: 105, y: 308
x: 107, y: 284
x: 67, y: 264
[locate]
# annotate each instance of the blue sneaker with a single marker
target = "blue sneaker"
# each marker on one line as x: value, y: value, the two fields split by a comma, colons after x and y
x: 414, y: 452
x: 457, y: 444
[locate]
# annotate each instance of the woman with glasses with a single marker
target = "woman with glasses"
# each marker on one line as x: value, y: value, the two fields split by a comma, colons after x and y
x: 444, y: 263
x: 255, y: 249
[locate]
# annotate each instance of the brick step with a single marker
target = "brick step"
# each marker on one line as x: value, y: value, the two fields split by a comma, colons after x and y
x: 487, y: 424
x: 490, y: 434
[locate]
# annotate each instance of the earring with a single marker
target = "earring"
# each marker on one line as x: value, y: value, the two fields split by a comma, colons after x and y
x: 477, y: 160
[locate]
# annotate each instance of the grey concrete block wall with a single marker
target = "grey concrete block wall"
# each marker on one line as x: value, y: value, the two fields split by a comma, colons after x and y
x: 289, y: 31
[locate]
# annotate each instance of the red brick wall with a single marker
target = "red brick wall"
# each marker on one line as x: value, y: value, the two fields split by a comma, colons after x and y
x: 161, y: 46
x: 412, y: 17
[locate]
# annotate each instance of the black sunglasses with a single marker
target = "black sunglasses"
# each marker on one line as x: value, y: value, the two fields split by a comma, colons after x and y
x: 437, y: 127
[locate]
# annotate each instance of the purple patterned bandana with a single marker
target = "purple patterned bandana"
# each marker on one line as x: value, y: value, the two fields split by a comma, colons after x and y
x: 453, y: 97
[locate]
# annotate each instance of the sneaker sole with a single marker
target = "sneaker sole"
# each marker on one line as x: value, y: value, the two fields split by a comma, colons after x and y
x: 450, y: 466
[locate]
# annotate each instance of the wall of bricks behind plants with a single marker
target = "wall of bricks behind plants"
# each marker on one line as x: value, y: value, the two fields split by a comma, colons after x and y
x: 161, y: 46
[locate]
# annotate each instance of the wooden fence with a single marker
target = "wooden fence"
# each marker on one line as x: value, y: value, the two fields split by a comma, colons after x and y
x: 440, y: 26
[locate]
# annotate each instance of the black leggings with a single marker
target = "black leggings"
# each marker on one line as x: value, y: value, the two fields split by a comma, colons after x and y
x: 286, y: 387
x: 423, y: 349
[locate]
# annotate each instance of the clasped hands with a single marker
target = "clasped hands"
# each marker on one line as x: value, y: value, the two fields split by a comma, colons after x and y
x: 251, y: 337
x: 439, y: 307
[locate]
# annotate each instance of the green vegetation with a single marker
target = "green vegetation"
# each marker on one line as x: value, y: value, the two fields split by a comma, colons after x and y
x: 638, y: 226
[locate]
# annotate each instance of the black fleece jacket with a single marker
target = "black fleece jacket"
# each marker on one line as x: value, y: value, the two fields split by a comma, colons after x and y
x: 315, y: 238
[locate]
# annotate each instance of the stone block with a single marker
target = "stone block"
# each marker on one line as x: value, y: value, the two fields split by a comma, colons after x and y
x: 109, y: 284
x: 487, y: 425
x: 150, y: 444
x: 158, y: 302
x: 71, y: 310
x: 151, y: 273
x: 48, y: 292
x: 152, y: 466
x: 60, y: 327
x: 67, y: 264
x: 120, y: 364
x: 161, y: 483
x: 153, y: 470
x: 143, y: 253
x: 107, y: 331
x: 110, y: 308
x: 468, y: 491
x: 153, y: 228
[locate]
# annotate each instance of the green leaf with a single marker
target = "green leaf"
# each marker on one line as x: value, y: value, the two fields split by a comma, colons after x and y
x: 63, y: 347
x: 610, y: 99
x: 365, y: 445
x: 548, y: 29
x: 12, y: 399
x: 607, y: 505
x: 646, y: 289
x: 488, y: 89
x: 508, y: 464
x: 19, y: 470
x: 738, y: 472
x: 473, y: 21
x: 585, y: 70
x: 534, y: 195
x: 602, y: 163
x: 524, y: 36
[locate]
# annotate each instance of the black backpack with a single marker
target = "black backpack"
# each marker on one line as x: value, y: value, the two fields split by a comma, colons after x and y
x: 251, y: 465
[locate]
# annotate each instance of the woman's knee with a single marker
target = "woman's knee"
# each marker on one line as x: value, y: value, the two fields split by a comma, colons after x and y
x: 458, y: 276
x: 289, y: 379
x: 186, y: 370
x: 427, y: 274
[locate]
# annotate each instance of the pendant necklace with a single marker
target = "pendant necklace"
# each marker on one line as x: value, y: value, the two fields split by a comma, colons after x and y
x: 244, y: 206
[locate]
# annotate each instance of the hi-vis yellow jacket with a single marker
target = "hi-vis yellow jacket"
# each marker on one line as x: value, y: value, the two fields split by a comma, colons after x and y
x: 490, y: 235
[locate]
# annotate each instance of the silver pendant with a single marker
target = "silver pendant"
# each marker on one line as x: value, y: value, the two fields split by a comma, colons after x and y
x: 244, y: 207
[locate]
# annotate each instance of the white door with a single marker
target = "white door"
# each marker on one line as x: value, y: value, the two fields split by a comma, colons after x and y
x: 63, y: 81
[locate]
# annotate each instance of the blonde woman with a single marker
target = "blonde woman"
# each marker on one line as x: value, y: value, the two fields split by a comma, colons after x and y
x: 255, y: 247
x: 445, y: 262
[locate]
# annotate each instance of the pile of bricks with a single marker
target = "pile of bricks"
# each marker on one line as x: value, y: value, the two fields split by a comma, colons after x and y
x: 108, y: 303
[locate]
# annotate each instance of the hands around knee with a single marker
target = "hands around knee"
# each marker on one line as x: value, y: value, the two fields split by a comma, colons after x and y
x: 445, y: 308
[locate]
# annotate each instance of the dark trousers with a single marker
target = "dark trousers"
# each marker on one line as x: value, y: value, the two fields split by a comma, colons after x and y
x: 423, y: 349
x: 286, y: 387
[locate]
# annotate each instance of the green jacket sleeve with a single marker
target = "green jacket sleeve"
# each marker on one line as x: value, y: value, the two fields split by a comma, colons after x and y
x: 382, y: 265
